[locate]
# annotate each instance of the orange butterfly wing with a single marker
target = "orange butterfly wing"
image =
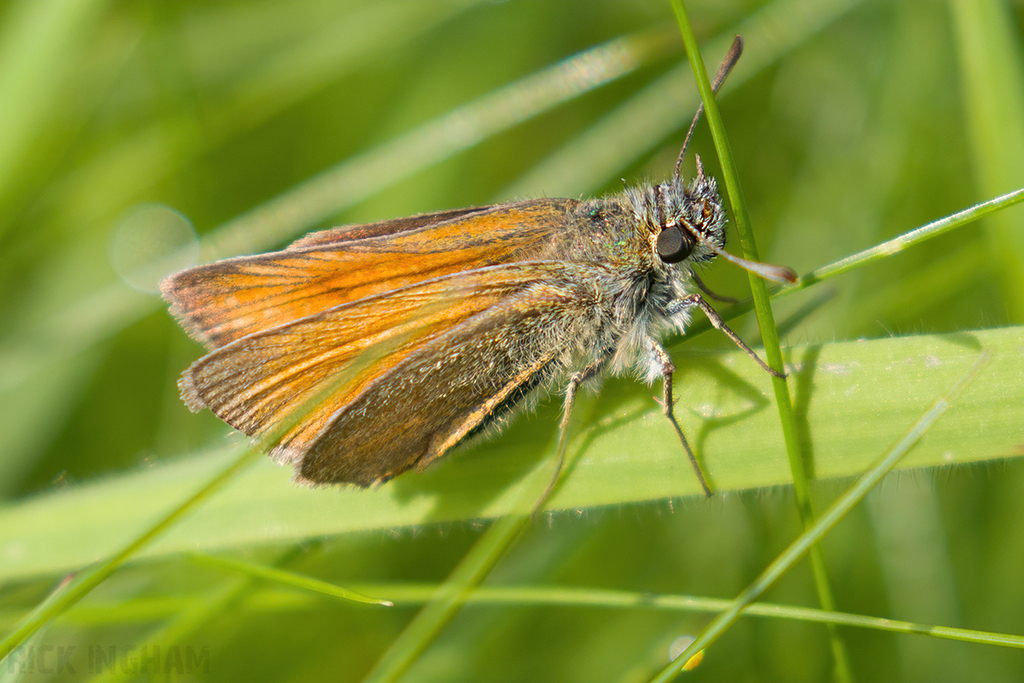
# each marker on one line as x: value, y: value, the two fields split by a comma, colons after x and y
x: 224, y: 301
x: 336, y: 390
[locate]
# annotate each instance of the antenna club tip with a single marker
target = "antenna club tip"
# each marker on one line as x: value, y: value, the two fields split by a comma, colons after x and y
x: 775, y: 273
x: 788, y: 274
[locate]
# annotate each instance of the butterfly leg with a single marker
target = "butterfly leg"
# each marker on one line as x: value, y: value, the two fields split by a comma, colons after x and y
x: 719, y: 324
x: 668, y: 408
x: 704, y: 288
x: 571, y: 389
x: 667, y: 369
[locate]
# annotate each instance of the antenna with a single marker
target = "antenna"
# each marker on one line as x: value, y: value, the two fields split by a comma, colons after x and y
x: 728, y: 62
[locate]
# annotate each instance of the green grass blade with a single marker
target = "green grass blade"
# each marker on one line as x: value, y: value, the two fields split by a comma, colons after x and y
x: 839, y: 509
x: 625, y: 453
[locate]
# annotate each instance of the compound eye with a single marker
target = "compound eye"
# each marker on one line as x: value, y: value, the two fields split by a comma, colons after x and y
x: 674, y: 245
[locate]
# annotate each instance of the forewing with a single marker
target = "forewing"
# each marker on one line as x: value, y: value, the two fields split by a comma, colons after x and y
x: 394, y: 226
x: 227, y: 300
x: 390, y: 379
x: 452, y: 386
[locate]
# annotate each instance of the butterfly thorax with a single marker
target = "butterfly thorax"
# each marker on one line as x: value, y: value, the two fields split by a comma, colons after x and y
x: 640, y: 284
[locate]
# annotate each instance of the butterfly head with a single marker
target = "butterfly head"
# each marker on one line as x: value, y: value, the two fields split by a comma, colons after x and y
x: 691, y: 220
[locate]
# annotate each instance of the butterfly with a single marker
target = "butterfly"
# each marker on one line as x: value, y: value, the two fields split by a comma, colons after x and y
x: 360, y: 352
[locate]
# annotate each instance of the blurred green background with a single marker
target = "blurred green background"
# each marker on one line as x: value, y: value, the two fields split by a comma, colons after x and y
x: 255, y: 122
